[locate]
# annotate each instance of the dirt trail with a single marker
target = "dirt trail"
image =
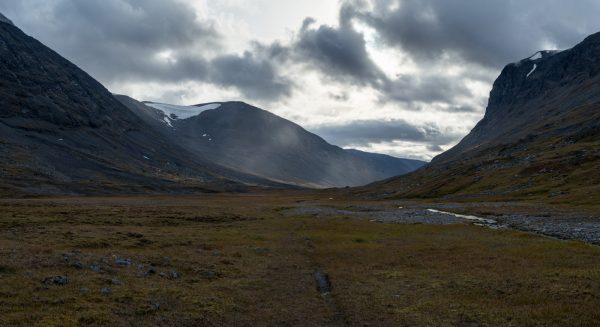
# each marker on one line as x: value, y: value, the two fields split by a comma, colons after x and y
x: 321, y: 278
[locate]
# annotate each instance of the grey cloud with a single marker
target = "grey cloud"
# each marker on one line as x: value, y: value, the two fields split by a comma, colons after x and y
x: 462, y: 109
x: 428, y: 89
x: 254, y: 77
x: 434, y: 148
x: 343, y: 96
x: 374, y: 131
x: 142, y: 24
x: 119, y: 41
x: 339, y: 52
x: 487, y: 32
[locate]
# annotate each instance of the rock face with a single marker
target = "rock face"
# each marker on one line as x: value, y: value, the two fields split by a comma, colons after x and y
x: 62, y: 132
x: 255, y: 141
x: 540, y: 136
x: 3, y: 19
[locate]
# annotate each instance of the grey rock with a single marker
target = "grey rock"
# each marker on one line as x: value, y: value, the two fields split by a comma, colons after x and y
x: 55, y: 280
x: 124, y: 262
x: 3, y: 19
x: 170, y: 275
x: 323, y: 283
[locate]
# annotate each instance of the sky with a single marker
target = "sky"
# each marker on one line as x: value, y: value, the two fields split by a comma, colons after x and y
x: 408, y: 78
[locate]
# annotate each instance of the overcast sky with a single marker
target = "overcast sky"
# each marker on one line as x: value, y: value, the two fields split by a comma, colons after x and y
x: 408, y: 78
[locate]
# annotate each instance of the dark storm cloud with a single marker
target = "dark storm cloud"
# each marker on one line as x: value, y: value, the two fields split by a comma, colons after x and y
x: 374, y: 131
x: 434, y: 148
x: 339, y: 52
x: 121, y: 41
x: 254, y: 77
x: 118, y: 39
x: 487, y: 32
x: 428, y: 89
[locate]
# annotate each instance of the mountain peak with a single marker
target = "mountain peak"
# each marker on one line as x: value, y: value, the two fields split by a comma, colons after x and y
x: 3, y: 19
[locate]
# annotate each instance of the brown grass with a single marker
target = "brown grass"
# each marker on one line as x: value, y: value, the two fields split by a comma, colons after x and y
x: 242, y: 262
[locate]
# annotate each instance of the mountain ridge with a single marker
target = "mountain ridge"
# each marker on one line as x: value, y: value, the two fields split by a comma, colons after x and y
x: 62, y: 132
x: 539, y: 138
x: 246, y: 138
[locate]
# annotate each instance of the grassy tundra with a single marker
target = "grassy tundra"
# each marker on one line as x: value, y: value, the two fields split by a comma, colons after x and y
x: 244, y: 260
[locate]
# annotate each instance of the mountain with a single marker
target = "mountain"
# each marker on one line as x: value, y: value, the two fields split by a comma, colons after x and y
x: 255, y: 141
x: 387, y: 165
x: 62, y: 132
x: 539, y: 138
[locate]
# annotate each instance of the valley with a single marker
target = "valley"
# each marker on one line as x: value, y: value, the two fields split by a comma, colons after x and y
x: 118, y: 211
x: 243, y: 259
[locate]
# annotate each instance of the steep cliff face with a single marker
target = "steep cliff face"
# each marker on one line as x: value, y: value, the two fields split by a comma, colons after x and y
x: 538, y: 90
x: 539, y: 138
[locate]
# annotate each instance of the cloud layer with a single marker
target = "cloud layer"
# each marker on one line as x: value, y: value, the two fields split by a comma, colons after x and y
x: 391, y: 76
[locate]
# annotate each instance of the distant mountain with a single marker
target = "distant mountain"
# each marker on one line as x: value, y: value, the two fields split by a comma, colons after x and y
x: 387, y: 165
x: 540, y: 137
x: 62, y: 132
x: 245, y: 138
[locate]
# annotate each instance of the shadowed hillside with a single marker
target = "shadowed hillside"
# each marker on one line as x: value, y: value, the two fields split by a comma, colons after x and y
x: 539, y: 139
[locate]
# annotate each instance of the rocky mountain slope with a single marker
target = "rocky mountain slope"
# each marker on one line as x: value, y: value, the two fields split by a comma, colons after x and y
x: 255, y: 141
x: 62, y: 132
x: 539, y: 139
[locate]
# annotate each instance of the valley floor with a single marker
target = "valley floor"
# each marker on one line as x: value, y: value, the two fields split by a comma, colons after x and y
x: 293, y: 258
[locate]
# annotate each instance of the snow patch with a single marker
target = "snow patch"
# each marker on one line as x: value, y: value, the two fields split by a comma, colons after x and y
x: 467, y: 217
x: 532, y: 70
x: 168, y: 121
x: 182, y: 112
x: 536, y: 56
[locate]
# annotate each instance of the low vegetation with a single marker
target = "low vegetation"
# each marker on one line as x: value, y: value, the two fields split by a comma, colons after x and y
x: 240, y: 260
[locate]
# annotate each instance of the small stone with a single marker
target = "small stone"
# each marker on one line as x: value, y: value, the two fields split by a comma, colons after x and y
x: 125, y: 262
x: 77, y: 264
x: 169, y: 275
x: 95, y: 268
x: 84, y: 290
x: 259, y: 250
x: 209, y: 274
x: 106, y: 291
x: 56, y: 280
x: 115, y: 281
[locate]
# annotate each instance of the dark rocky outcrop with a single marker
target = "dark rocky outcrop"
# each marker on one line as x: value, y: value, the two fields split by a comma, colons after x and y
x: 540, y: 137
x: 62, y: 132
